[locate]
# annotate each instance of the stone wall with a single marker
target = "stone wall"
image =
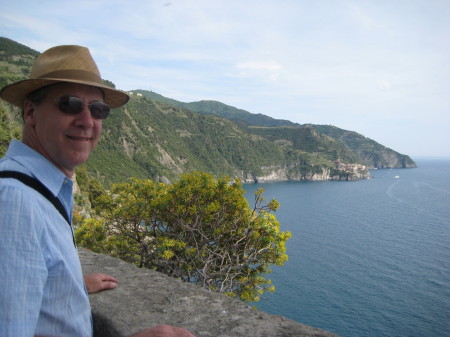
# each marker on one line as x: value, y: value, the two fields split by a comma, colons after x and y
x: 145, y: 298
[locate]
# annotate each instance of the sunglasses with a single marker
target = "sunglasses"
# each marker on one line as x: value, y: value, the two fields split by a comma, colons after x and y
x: 73, y: 106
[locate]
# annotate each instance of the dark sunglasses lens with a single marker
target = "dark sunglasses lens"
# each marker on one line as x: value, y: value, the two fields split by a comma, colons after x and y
x: 70, y: 105
x: 74, y: 106
x: 99, y: 110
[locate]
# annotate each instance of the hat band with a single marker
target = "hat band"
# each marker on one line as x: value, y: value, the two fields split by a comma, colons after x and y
x: 77, y: 75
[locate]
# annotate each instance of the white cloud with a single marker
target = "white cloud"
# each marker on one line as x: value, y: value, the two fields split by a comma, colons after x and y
x: 268, y: 71
x: 384, y: 84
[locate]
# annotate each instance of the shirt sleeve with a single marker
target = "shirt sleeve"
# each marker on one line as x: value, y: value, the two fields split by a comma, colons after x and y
x: 22, y: 262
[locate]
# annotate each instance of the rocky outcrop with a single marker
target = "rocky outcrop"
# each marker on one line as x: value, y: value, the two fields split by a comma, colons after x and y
x: 340, y: 171
x: 145, y: 298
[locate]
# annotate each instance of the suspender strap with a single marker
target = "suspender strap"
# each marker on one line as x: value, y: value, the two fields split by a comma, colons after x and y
x: 39, y: 187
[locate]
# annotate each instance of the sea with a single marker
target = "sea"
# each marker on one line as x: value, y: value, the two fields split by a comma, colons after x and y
x: 367, y: 258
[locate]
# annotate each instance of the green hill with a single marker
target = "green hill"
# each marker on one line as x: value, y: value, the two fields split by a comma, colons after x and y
x: 329, y: 141
x: 15, y: 61
x: 150, y: 139
x: 239, y: 116
x: 367, y: 151
x: 15, y: 64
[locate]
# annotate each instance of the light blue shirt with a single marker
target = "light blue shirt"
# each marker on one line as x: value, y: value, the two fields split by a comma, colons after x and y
x: 42, y: 290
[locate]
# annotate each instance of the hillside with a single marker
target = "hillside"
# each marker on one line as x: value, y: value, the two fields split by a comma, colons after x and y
x: 367, y: 151
x: 149, y: 139
x: 159, y: 138
x: 15, y: 64
x: 331, y: 142
x: 239, y: 116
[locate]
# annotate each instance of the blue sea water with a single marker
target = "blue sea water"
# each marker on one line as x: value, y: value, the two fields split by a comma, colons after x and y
x: 367, y: 258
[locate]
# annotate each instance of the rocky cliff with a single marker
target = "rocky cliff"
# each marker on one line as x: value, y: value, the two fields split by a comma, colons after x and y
x: 340, y: 171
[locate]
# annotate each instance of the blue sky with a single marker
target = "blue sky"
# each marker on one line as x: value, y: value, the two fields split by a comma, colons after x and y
x: 377, y: 67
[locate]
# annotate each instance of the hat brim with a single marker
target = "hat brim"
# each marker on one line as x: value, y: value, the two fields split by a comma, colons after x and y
x: 17, y: 92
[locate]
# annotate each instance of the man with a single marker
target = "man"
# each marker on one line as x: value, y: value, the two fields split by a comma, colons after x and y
x: 42, y: 292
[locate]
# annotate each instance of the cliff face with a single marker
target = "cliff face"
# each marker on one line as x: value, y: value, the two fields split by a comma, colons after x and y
x: 387, y: 159
x: 145, y: 298
x: 340, y: 171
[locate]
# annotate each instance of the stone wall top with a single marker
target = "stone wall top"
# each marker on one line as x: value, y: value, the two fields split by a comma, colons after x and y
x: 145, y: 298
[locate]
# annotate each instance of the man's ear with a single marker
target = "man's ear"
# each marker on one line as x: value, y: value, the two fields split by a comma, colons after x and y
x: 29, y: 112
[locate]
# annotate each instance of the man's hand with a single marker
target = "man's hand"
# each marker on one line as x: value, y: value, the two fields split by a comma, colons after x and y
x: 97, y: 282
x: 164, y: 331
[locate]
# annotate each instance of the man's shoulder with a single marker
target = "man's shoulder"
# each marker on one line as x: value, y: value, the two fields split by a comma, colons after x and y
x: 9, y: 164
x: 15, y: 193
x: 23, y: 159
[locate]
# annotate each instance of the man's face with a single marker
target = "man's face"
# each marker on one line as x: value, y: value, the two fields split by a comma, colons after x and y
x: 65, y: 140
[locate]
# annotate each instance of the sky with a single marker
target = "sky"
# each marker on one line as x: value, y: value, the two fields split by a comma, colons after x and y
x: 377, y: 67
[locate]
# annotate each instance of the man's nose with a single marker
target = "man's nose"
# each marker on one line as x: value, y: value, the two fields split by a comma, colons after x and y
x: 85, y: 118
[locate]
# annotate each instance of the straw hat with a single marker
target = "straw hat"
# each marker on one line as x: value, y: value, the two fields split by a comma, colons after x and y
x: 72, y: 64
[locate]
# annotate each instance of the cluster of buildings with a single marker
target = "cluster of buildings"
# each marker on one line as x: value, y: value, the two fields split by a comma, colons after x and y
x: 352, y: 168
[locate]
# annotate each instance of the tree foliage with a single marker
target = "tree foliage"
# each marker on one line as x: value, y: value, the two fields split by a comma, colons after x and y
x: 10, y: 128
x: 199, y: 229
